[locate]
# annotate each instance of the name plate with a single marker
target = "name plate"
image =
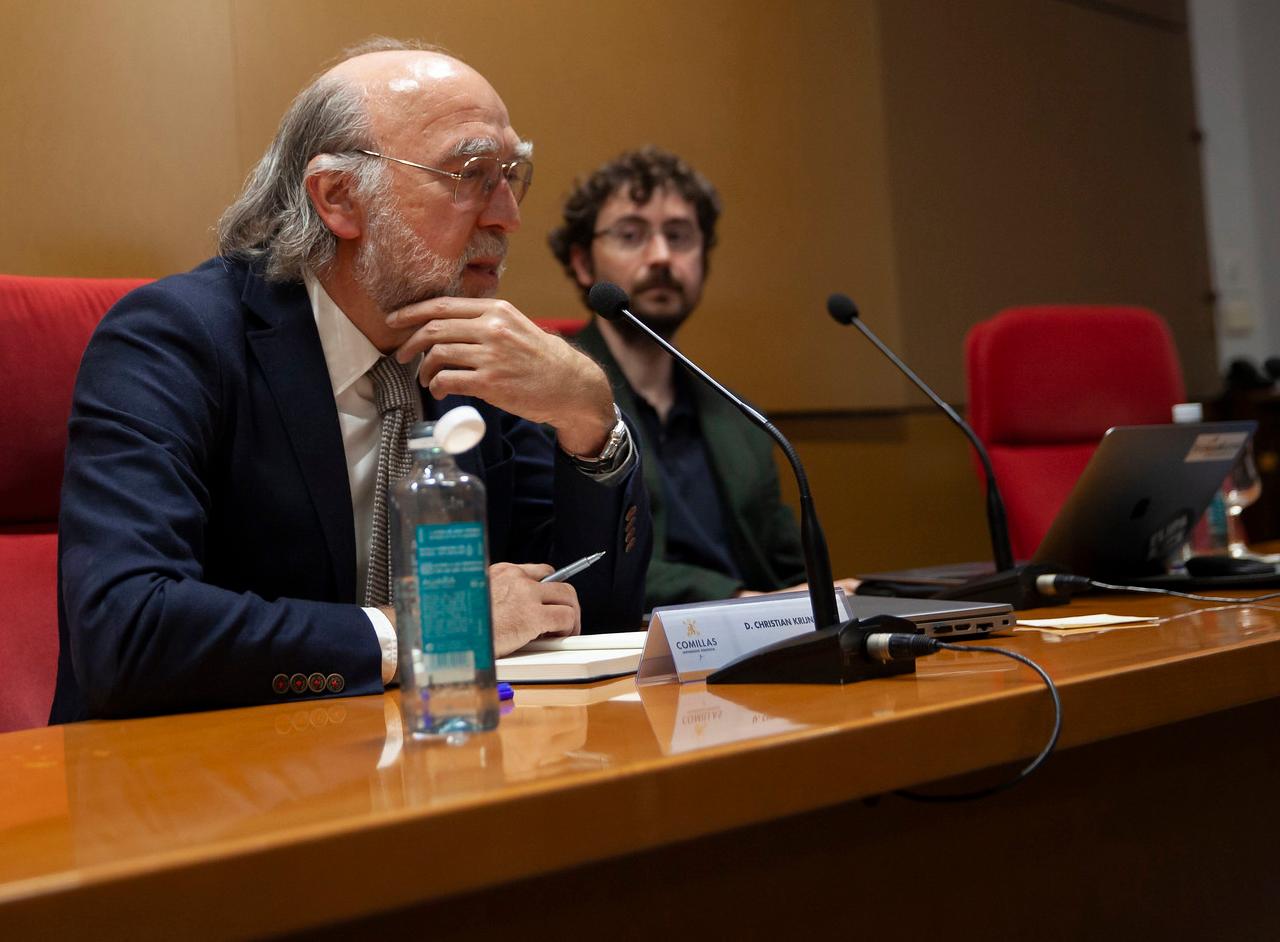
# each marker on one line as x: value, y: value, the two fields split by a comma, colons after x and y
x: 688, y: 642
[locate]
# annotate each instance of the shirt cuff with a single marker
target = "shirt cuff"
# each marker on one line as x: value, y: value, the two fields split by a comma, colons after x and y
x: 386, y: 633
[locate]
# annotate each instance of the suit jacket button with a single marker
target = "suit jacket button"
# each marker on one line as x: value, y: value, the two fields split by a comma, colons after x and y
x: 298, y: 683
x: 336, y: 683
x: 631, y: 512
x: 315, y: 683
x: 280, y: 683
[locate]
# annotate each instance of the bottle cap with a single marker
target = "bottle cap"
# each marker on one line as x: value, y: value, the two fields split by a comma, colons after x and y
x: 1188, y: 412
x: 458, y: 430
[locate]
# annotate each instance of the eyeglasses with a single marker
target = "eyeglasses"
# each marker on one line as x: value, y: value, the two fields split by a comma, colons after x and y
x: 478, y: 178
x: 632, y: 235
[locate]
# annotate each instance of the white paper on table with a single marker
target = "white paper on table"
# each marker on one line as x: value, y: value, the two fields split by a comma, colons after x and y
x: 1084, y: 621
x: 1075, y: 623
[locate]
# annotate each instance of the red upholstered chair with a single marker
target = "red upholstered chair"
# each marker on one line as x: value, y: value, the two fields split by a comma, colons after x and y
x: 44, y: 326
x: 561, y: 326
x: 1046, y: 382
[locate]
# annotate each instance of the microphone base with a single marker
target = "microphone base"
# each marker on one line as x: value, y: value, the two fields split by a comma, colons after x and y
x: 825, y: 656
x: 1016, y: 586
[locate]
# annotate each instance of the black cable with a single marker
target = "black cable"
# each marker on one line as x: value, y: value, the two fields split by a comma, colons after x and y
x: 1035, y: 763
x: 1152, y: 590
x: 1065, y: 584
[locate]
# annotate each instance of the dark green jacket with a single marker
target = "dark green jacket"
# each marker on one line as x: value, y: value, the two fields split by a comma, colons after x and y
x: 762, y: 530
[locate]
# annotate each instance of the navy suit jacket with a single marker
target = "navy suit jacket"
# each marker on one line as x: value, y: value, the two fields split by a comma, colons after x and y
x: 206, y: 539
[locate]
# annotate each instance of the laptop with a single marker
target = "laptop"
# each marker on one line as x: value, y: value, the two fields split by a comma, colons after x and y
x: 934, y: 617
x: 1129, y: 513
x: 1133, y: 508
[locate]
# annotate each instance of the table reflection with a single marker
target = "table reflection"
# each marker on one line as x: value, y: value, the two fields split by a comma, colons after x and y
x: 687, y: 717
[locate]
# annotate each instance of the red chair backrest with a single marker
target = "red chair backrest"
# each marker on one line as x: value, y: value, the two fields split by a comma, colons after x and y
x: 561, y: 326
x: 1046, y: 382
x: 45, y: 324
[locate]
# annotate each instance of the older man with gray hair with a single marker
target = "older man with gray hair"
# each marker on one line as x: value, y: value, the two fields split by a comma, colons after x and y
x: 219, y: 538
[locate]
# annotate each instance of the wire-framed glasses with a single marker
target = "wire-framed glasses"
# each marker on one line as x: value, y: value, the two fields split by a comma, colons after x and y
x: 632, y: 234
x: 479, y: 176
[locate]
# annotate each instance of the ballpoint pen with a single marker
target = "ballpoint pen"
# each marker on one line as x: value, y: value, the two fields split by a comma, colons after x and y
x: 566, y: 572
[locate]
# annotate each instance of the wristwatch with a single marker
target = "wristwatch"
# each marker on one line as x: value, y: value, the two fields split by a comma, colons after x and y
x: 612, y: 446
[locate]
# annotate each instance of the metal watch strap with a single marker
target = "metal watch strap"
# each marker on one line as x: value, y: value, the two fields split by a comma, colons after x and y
x: 602, y: 461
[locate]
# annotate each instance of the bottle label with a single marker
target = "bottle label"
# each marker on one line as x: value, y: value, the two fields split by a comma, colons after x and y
x: 453, y: 601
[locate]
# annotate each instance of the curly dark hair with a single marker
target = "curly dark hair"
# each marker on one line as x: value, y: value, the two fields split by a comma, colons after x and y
x: 643, y: 171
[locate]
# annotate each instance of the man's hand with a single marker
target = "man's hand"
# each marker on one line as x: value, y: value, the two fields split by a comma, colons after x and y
x: 486, y: 348
x: 849, y: 584
x: 525, y: 609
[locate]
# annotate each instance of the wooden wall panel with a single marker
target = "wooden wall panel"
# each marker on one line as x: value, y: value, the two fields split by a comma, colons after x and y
x: 893, y: 491
x: 1041, y: 152
x: 119, y: 138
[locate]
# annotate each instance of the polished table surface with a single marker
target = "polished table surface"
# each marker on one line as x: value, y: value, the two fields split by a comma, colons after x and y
x: 105, y: 825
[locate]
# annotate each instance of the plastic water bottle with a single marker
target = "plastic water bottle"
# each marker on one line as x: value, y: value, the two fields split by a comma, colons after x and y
x: 440, y: 566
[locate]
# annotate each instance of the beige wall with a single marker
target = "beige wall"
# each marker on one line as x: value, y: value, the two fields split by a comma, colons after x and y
x: 892, y: 491
x: 1041, y: 152
x: 936, y: 160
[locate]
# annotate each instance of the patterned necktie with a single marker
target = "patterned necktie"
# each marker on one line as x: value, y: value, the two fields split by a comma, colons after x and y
x: 395, y: 393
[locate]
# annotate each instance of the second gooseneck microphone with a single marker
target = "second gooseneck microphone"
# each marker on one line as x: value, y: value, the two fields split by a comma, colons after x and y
x: 844, y: 311
x: 611, y: 303
x: 1010, y: 582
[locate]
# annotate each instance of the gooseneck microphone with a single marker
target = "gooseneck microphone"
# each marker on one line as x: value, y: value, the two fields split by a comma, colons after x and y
x: 834, y: 652
x: 844, y: 311
x: 611, y: 302
x: 1010, y: 583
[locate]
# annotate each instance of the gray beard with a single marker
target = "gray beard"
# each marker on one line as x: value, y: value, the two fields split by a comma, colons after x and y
x: 396, y: 269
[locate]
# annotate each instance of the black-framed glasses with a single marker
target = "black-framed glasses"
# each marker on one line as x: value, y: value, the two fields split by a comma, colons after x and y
x: 632, y: 234
x: 479, y: 176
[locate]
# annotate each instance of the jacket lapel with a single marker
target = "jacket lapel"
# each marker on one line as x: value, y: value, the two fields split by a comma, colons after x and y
x: 287, y: 347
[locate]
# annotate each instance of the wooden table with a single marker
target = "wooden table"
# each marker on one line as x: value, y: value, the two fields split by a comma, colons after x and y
x: 752, y: 811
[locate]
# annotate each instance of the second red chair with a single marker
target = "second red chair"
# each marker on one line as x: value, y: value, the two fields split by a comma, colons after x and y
x: 1046, y: 382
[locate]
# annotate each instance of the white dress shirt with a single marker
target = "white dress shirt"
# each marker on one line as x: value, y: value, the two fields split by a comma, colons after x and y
x: 349, y: 356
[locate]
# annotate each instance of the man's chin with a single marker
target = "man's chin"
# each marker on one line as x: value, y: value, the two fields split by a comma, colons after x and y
x: 479, y: 282
x: 663, y: 323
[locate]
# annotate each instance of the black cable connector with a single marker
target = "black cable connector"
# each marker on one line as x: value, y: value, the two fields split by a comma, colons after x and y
x: 899, y: 646
x: 1061, y: 584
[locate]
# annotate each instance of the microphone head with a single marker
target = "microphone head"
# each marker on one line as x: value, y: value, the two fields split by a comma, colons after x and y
x: 842, y: 309
x: 607, y: 300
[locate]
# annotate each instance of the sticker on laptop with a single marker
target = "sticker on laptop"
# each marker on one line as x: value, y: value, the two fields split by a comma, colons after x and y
x: 1216, y: 446
x: 1169, y: 538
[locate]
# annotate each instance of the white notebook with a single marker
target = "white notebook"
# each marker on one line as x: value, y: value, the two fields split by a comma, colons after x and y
x: 573, y: 660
